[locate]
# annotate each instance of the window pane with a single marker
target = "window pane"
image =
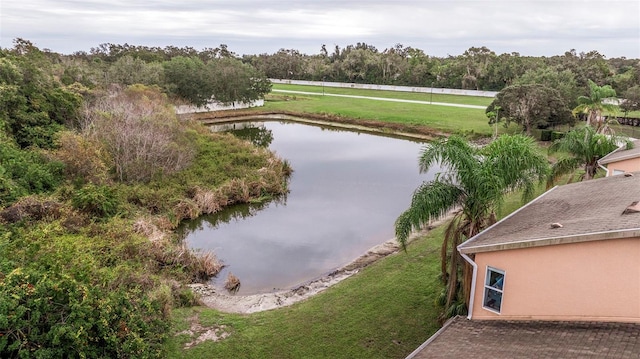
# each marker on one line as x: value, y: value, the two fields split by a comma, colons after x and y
x: 496, y: 279
x: 493, y: 299
x: 494, y: 283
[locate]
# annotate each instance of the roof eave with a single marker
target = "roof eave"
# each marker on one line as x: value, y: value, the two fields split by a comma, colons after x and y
x: 469, y: 242
x: 605, y: 160
x: 539, y: 242
x: 608, y: 158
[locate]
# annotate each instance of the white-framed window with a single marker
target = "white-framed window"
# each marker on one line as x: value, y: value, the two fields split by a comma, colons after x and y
x: 617, y: 172
x: 493, y: 289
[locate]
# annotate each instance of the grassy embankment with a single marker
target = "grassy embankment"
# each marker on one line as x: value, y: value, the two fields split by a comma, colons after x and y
x: 442, y: 118
x: 450, y: 120
x: 385, y: 311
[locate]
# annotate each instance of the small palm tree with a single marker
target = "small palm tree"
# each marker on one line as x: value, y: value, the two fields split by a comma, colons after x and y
x: 476, y: 181
x: 585, y: 147
x: 594, y: 105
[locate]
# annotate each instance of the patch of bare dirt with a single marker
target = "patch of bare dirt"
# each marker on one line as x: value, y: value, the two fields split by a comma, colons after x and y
x: 200, y: 333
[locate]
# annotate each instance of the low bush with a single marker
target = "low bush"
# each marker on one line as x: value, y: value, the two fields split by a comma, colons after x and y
x: 85, y: 160
x: 24, y: 172
x: 96, y: 201
x: 53, y: 315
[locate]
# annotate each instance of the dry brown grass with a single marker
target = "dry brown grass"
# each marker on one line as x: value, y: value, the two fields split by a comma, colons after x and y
x: 187, y: 209
x: 205, y: 265
x: 232, y: 284
x: 32, y: 208
x: 147, y: 228
x: 199, y: 266
x: 208, y: 201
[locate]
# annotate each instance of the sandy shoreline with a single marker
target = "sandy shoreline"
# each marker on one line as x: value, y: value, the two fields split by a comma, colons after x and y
x: 223, y: 301
x: 219, y: 299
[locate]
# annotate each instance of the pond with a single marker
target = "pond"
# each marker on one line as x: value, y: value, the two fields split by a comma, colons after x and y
x: 346, y: 191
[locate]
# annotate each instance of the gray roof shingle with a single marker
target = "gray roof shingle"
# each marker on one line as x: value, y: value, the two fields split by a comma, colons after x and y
x: 588, y: 210
x: 622, y: 154
x: 478, y: 339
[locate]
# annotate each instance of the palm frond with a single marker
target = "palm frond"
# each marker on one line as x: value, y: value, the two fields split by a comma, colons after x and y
x: 453, y: 153
x: 561, y: 168
x: 430, y: 201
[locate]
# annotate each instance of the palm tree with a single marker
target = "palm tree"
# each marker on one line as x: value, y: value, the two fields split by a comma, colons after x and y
x: 594, y: 105
x: 475, y: 183
x: 585, y: 147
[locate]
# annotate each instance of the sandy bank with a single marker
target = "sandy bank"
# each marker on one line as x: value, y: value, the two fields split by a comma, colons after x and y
x: 221, y: 300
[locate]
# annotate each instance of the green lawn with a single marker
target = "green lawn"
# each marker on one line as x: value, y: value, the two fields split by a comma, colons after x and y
x: 418, y: 96
x: 443, y: 118
x: 385, y: 311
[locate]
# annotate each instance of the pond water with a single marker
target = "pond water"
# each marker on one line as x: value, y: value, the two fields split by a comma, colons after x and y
x: 346, y: 191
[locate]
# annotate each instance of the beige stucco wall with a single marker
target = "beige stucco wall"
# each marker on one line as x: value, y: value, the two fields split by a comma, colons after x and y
x: 597, y: 280
x: 630, y: 165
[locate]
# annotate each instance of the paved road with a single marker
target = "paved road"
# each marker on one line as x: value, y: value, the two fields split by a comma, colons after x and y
x: 383, y: 99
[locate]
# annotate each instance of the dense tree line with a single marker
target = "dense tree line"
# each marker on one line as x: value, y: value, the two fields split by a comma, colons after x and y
x: 185, y: 74
x: 478, y: 68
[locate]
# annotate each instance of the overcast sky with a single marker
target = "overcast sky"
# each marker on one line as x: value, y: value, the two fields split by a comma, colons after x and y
x: 439, y: 28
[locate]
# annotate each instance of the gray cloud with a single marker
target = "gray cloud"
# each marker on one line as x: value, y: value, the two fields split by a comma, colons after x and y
x: 440, y: 28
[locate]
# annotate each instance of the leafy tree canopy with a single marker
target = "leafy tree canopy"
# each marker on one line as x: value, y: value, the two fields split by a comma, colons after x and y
x: 531, y: 106
x: 631, y: 101
x: 33, y: 104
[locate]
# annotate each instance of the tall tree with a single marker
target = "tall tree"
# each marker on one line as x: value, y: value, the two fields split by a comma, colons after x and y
x: 594, y: 105
x: 476, y: 62
x: 232, y: 80
x: 33, y: 103
x: 564, y: 81
x: 631, y: 100
x: 531, y: 106
x: 585, y: 147
x: 187, y: 78
x: 128, y: 70
x: 475, y: 182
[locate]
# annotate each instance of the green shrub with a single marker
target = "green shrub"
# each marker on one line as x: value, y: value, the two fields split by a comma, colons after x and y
x: 96, y: 201
x: 556, y: 135
x: 24, y: 172
x: 545, y: 135
x: 47, y: 315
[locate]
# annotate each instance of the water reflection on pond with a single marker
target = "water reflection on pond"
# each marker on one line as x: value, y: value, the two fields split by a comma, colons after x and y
x: 346, y: 191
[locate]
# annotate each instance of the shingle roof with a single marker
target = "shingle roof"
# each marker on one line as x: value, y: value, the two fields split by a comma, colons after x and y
x: 588, y: 210
x: 622, y: 154
x: 478, y: 339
